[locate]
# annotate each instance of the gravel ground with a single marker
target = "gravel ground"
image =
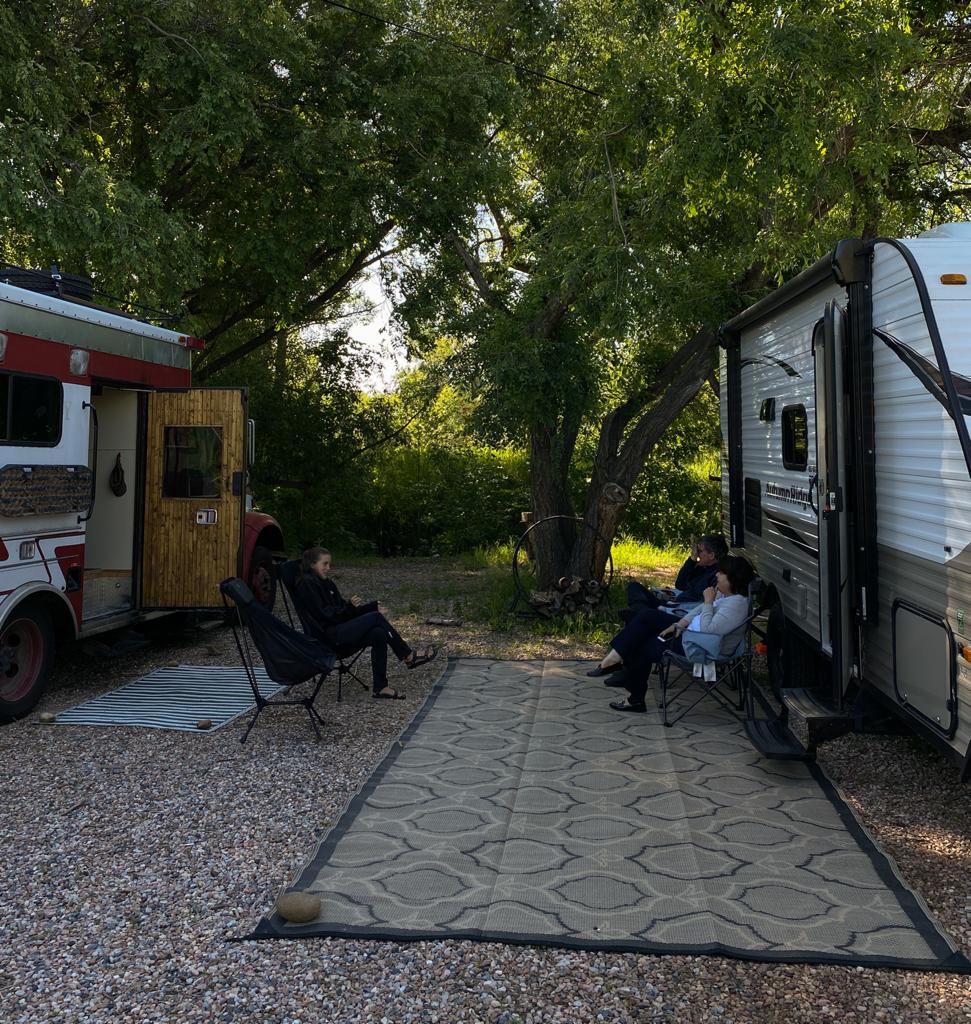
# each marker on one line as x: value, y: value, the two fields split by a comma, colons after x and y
x: 131, y: 856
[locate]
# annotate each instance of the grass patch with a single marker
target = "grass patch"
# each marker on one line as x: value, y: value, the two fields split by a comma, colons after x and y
x: 492, y: 599
x: 478, y: 585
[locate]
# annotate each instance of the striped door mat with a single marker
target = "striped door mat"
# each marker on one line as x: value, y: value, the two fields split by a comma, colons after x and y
x: 175, y: 697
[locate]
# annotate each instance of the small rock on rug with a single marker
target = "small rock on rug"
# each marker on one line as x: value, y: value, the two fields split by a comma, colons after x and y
x: 518, y: 807
x: 175, y: 697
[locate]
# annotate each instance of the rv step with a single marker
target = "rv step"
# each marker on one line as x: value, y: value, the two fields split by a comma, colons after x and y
x: 808, y: 705
x: 772, y: 739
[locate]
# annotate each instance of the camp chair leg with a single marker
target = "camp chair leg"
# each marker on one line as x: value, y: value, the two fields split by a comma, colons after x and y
x: 735, y: 677
x: 252, y: 722
x: 346, y: 668
x: 312, y: 714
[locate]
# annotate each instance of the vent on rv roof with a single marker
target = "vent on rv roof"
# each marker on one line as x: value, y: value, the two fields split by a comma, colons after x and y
x: 49, y: 282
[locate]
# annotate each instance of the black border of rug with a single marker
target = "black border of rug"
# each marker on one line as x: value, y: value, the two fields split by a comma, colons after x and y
x: 952, y: 961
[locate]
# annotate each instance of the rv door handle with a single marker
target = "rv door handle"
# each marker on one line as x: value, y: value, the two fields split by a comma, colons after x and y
x: 94, y: 462
x: 237, y: 484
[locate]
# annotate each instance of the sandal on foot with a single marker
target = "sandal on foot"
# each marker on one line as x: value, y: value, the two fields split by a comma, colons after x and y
x: 599, y: 670
x: 430, y: 653
x: 393, y: 695
x: 625, y: 705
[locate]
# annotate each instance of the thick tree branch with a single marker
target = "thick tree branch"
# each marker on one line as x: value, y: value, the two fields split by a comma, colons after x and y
x: 474, y: 268
x: 308, y: 310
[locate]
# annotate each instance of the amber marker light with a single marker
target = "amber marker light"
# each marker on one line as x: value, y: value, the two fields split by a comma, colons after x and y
x: 966, y: 652
x: 954, y: 279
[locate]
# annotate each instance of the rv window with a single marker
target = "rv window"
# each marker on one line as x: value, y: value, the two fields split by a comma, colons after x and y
x: 193, y: 462
x: 30, y: 410
x: 795, y: 437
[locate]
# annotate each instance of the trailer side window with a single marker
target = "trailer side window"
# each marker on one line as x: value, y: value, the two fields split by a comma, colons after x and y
x: 30, y: 410
x: 193, y: 462
x: 795, y: 437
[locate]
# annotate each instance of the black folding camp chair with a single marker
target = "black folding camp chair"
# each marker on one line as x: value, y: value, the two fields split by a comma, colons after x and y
x: 289, y: 573
x: 731, y: 674
x: 289, y: 657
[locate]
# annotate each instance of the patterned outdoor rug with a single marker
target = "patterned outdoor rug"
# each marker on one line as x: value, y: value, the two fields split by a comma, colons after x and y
x: 176, y: 697
x: 517, y: 807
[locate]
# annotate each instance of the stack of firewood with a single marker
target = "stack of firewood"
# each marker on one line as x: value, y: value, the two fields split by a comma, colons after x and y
x: 567, y: 596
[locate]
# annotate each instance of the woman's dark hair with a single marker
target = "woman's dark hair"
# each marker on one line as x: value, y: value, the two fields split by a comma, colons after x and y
x: 740, y: 574
x: 310, y: 558
x: 715, y: 543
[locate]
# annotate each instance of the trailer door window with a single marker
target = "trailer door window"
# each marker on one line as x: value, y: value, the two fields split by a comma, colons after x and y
x: 193, y: 462
x: 30, y: 410
x: 795, y: 437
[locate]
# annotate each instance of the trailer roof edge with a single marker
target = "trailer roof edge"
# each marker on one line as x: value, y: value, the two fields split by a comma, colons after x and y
x: 813, y: 276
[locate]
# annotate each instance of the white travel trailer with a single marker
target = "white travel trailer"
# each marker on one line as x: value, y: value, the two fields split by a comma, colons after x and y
x: 846, y: 479
x: 122, y: 489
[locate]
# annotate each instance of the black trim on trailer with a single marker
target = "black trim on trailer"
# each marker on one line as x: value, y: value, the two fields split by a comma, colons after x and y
x: 821, y: 271
x: 947, y: 379
x: 791, y: 534
x: 736, y: 494
x: 771, y: 361
x: 952, y: 700
x: 928, y: 374
x: 856, y: 275
x: 831, y: 501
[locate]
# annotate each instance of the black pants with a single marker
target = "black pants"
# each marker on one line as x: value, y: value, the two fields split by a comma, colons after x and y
x: 638, y: 596
x: 638, y: 644
x: 369, y: 630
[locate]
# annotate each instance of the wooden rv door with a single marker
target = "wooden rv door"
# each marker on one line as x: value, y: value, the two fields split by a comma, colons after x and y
x: 194, y: 496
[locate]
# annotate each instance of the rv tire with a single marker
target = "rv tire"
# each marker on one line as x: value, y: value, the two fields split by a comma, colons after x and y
x: 26, y: 646
x: 261, y: 576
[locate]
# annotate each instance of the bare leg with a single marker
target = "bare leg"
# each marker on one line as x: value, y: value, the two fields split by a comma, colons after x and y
x: 611, y: 658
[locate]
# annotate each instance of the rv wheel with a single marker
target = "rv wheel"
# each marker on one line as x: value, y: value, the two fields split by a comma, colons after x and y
x: 26, y: 642
x: 262, y: 577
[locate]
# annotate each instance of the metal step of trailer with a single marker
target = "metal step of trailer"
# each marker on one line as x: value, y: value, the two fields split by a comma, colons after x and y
x: 809, y: 705
x: 773, y: 739
x: 822, y: 720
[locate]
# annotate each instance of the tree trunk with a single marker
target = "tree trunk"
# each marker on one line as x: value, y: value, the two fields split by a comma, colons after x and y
x: 552, y: 542
x: 622, y: 452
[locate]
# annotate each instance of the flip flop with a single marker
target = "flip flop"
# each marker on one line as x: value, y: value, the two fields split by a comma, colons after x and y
x: 422, y: 659
x: 393, y: 695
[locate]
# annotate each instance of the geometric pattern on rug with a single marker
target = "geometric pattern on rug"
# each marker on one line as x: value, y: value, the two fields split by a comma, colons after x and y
x: 517, y: 807
x: 174, y: 697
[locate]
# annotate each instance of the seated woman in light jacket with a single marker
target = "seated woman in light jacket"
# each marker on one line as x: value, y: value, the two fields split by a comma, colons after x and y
x: 637, y: 647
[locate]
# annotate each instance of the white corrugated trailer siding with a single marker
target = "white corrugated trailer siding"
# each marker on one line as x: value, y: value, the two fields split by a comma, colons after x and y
x: 784, y: 337
x: 923, y: 487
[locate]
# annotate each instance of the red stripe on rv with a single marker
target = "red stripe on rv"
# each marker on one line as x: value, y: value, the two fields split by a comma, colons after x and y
x: 71, y: 556
x: 51, y: 358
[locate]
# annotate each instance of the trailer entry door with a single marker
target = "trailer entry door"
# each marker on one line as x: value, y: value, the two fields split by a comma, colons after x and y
x: 194, y: 496
x: 834, y: 619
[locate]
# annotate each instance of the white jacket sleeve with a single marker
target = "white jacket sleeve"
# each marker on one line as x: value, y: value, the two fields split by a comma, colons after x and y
x: 726, y: 617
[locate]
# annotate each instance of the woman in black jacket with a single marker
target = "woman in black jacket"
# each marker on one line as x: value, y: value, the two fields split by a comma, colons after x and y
x: 351, y: 625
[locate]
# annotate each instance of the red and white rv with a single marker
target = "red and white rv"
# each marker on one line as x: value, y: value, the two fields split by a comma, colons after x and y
x: 122, y: 489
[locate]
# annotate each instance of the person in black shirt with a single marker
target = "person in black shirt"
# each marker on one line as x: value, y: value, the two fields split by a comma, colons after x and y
x: 351, y: 625
x: 697, y: 574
